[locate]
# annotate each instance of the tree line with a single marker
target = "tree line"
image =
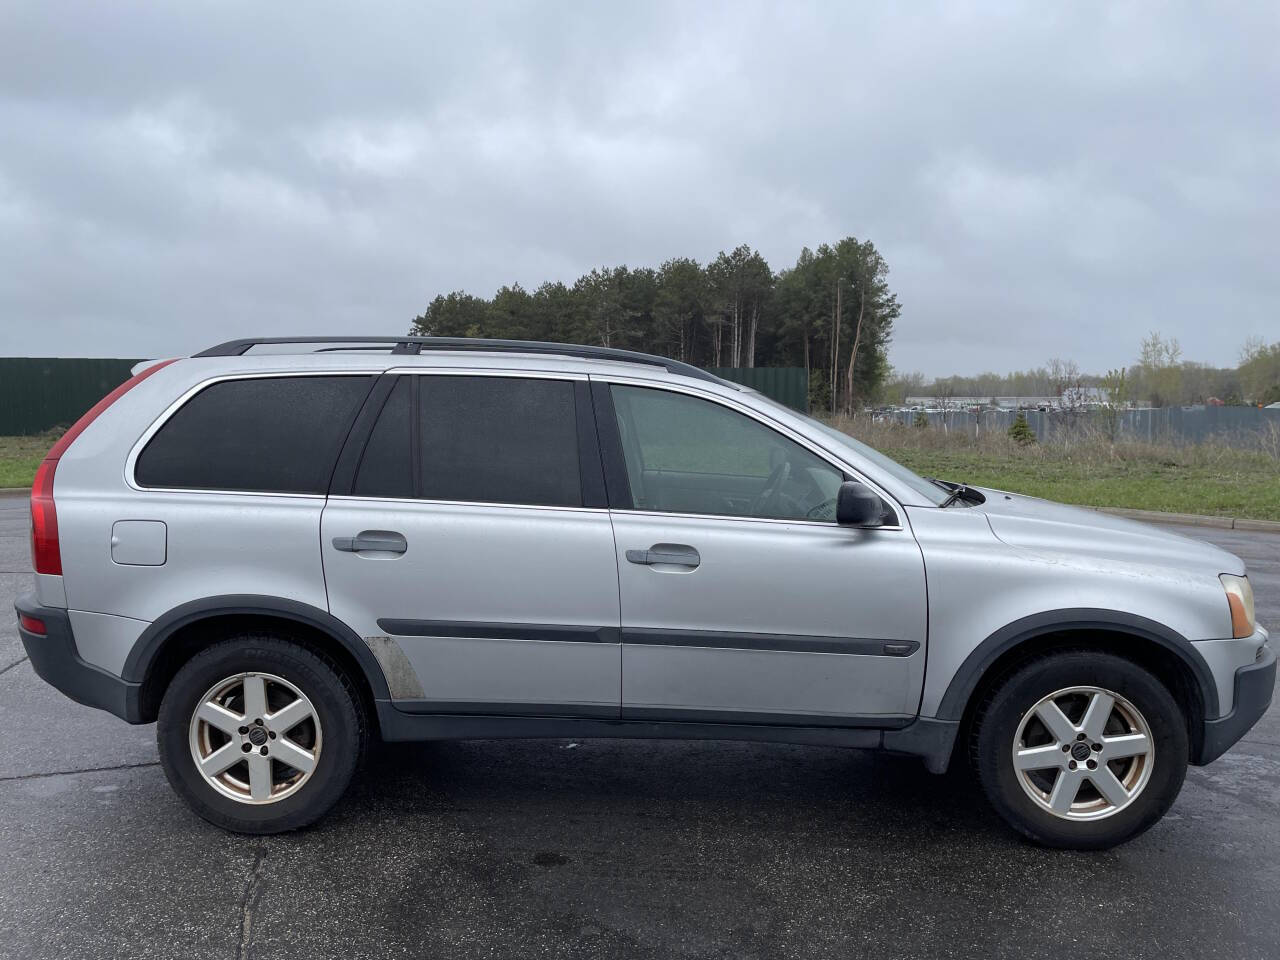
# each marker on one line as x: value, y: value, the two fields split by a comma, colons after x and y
x: 831, y: 313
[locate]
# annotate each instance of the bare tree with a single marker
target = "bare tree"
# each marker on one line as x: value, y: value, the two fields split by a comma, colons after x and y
x: 945, y: 398
x: 853, y: 354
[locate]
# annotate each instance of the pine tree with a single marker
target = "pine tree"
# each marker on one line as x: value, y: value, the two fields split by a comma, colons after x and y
x: 1020, y: 431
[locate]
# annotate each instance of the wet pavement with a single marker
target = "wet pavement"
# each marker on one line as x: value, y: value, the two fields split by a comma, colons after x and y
x: 609, y: 848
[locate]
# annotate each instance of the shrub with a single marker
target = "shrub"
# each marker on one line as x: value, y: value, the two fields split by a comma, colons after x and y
x: 1020, y: 431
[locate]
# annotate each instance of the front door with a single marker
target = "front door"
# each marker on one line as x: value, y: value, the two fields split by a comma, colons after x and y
x: 472, y: 553
x: 742, y: 600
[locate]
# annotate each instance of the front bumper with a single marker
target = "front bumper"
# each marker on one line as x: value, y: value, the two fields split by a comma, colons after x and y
x: 57, y: 661
x: 1253, y: 689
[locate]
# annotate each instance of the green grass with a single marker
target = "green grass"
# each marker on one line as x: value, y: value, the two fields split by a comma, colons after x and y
x: 1236, y: 490
x: 1203, y: 479
x: 19, y: 457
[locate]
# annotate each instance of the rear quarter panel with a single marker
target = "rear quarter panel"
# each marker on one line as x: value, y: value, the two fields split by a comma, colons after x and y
x: 216, y: 543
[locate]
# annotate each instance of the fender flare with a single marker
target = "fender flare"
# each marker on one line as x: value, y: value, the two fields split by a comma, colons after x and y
x: 975, y: 666
x: 145, y: 652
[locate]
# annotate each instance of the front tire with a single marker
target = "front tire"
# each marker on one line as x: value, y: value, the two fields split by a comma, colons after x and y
x: 259, y: 734
x: 1080, y: 749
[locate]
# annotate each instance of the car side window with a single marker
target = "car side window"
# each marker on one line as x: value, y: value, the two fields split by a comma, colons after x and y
x: 685, y: 454
x: 481, y: 439
x: 259, y: 434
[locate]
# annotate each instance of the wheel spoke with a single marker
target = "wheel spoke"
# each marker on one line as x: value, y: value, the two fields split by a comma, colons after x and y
x: 259, y: 776
x: 290, y: 754
x: 286, y: 718
x: 220, y: 718
x: 1039, y: 758
x: 221, y: 759
x: 1060, y: 727
x: 1095, y: 718
x: 255, y: 697
x: 1126, y: 745
x: 1109, y: 786
x: 1065, y: 789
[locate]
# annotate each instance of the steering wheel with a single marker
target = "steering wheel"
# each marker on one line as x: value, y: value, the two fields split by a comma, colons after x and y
x: 826, y: 510
x: 771, y: 487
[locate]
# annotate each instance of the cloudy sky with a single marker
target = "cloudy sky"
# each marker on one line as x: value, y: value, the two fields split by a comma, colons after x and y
x: 1043, y: 179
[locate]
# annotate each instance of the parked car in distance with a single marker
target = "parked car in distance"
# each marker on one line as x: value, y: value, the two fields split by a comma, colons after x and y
x: 278, y: 550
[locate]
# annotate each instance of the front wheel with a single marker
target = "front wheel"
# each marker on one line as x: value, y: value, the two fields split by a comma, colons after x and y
x: 1080, y: 749
x: 259, y: 734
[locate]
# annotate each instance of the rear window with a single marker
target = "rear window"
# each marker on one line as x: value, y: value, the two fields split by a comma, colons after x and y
x: 481, y: 439
x: 269, y: 435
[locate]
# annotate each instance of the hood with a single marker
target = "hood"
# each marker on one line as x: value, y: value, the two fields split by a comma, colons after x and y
x: 1048, y: 528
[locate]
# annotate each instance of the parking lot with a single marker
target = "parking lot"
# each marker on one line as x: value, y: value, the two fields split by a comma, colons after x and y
x: 608, y: 849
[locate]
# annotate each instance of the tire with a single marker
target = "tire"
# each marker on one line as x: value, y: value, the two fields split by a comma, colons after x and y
x: 310, y: 741
x: 1065, y: 770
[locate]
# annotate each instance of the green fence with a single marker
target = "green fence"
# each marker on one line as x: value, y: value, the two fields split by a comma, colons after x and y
x: 37, y: 393
x: 784, y: 384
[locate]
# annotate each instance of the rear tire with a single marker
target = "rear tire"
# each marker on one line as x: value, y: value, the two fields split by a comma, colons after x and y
x: 1080, y: 749
x: 259, y: 734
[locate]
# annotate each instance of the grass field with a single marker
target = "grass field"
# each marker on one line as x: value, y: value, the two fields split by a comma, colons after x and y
x: 19, y: 457
x: 1203, y: 479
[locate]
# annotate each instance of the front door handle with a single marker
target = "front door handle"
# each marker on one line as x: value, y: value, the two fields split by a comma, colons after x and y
x: 380, y: 541
x: 676, y: 554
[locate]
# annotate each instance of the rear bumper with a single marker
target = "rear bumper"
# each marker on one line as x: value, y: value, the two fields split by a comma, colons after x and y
x: 1253, y: 689
x: 55, y: 659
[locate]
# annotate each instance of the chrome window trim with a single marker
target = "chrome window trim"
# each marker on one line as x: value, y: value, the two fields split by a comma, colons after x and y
x: 135, y: 451
x: 770, y: 424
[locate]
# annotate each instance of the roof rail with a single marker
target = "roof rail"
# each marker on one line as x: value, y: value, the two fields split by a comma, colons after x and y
x: 416, y: 345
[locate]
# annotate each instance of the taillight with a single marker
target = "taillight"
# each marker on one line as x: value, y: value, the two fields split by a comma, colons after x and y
x: 32, y: 625
x: 46, y: 556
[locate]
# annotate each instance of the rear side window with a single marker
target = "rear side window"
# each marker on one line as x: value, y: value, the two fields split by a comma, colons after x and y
x: 269, y: 435
x: 481, y: 439
x: 386, y: 469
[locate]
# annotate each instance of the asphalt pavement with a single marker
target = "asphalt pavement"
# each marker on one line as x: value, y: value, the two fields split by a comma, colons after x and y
x: 609, y: 848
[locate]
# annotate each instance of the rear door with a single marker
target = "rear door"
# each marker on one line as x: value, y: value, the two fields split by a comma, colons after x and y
x: 473, y: 550
x: 742, y: 600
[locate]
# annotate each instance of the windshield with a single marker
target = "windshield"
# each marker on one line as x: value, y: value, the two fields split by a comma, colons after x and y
x: 930, y: 491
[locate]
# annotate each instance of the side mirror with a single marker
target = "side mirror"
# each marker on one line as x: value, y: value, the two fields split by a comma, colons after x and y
x: 857, y: 506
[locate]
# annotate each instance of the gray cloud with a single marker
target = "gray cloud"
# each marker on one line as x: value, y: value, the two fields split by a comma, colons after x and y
x: 1049, y: 181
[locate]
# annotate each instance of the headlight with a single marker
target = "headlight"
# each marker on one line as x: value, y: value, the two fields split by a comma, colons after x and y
x: 1240, y: 600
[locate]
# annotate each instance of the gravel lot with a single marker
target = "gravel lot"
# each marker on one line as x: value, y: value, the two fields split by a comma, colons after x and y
x: 608, y: 849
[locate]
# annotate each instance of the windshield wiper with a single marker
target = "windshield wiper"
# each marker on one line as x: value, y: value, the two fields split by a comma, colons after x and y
x: 956, y: 491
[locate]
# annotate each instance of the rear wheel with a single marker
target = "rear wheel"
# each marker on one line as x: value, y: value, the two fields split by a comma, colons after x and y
x: 259, y: 734
x: 1080, y: 749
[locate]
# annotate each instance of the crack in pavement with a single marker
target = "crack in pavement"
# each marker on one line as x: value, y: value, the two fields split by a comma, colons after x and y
x: 249, y: 903
x: 14, y: 664
x: 72, y: 773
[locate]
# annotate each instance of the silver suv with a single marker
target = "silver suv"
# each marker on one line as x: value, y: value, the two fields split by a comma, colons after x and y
x: 278, y: 550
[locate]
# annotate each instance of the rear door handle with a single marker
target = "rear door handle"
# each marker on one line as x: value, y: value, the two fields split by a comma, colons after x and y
x: 381, y: 541
x: 676, y: 554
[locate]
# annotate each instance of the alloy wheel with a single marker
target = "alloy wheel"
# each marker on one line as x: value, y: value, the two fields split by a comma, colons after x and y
x: 255, y: 737
x: 1083, y: 753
